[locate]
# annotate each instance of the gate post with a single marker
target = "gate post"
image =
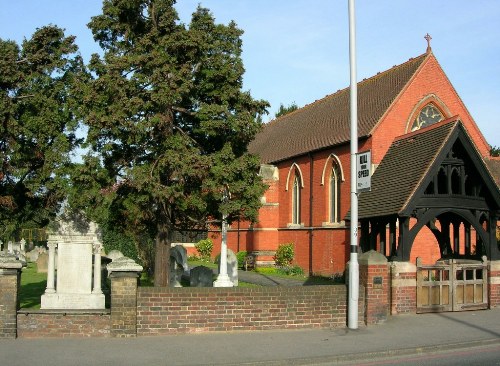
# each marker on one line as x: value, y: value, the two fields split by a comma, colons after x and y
x: 374, y: 277
x: 124, y: 273
x: 10, y: 275
x: 494, y: 284
x: 403, y: 288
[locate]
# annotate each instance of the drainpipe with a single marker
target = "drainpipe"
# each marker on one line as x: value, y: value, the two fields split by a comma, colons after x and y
x: 311, y: 201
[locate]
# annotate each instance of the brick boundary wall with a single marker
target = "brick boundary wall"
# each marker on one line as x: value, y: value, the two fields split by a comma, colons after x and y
x: 162, y: 311
x: 494, y: 284
x: 9, y: 286
x: 403, y: 288
x: 60, y: 324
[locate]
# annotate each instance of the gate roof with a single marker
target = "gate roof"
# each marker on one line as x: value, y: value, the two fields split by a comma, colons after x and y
x: 410, y: 164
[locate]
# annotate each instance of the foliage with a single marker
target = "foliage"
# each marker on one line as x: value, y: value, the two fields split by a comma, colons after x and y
x: 292, y: 271
x: 115, y: 240
x: 284, y: 255
x: 495, y: 151
x: 285, y: 110
x: 168, y: 123
x: 241, y: 255
x: 204, y: 248
x: 37, y: 129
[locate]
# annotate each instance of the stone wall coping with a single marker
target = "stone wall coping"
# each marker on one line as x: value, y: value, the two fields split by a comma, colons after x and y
x: 123, y: 264
x: 65, y: 311
x: 372, y: 257
x: 403, y: 267
x: 9, y: 261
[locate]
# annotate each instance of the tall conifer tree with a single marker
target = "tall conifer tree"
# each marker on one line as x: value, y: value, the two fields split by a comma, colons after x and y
x: 168, y: 122
x: 37, y: 127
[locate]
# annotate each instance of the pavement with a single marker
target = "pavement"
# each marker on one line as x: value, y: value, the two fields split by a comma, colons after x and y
x: 399, y: 335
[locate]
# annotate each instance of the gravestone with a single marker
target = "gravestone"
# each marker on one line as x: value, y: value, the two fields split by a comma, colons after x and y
x: 10, y: 248
x: 77, y: 241
x: 178, y: 265
x: 201, y: 276
x: 42, y: 263
x: 22, y: 246
x: 33, y: 254
x: 232, y: 267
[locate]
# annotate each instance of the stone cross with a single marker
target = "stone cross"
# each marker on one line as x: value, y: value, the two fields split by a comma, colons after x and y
x: 428, y: 39
x: 23, y: 245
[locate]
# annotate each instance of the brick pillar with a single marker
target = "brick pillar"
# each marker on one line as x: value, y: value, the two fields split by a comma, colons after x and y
x: 403, y: 288
x: 10, y: 275
x: 265, y: 231
x: 124, y: 273
x: 494, y: 284
x: 374, y: 277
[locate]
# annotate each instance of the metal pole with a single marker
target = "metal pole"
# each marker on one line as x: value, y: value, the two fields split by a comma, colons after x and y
x: 352, y: 306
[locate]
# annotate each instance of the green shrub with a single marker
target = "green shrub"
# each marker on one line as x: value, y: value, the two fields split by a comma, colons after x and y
x: 291, y: 271
x: 204, y: 248
x: 241, y: 255
x: 284, y: 255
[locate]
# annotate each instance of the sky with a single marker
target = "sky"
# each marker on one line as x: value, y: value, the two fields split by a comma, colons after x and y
x: 297, y: 51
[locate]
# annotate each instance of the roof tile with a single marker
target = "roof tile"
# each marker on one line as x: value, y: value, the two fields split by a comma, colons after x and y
x: 325, y: 123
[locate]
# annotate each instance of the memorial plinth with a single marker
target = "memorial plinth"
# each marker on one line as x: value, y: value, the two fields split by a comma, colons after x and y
x: 77, y: 285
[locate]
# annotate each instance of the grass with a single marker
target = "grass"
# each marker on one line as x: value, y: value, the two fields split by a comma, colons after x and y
x: 33, y: 284
x: 32, y: 287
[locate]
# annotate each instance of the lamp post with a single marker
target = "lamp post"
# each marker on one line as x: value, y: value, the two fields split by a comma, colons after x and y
x: 223, y: 279
x: 352, y: 306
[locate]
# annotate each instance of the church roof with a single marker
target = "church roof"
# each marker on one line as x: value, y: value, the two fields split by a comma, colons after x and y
x: 410, y: 162
x: 325, y: 123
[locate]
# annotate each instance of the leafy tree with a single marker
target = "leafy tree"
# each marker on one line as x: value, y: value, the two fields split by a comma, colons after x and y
x: 168, y: 123
x: 494, y: 151
x: 285, y: 110
x: 37, y: 126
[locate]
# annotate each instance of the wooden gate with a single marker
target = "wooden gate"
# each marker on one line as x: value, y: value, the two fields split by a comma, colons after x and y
x: 452, y: 285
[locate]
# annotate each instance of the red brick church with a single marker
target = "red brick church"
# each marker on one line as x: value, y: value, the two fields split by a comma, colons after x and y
x: 433, y: 192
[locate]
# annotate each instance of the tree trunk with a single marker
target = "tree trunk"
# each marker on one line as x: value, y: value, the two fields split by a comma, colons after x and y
x: 162, y: 256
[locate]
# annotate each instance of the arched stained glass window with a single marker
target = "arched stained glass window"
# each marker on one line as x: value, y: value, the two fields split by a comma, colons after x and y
x: 296, y: 200
x: 428, y: 115
x: 335, y: 180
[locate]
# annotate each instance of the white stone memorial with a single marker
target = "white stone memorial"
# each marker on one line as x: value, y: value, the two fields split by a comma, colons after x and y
x: 78, y: 283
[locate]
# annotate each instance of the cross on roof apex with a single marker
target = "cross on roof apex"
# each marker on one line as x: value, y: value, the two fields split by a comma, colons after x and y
x: 428, y: 39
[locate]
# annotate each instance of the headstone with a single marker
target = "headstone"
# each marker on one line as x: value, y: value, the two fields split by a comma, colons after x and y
x: 180, y: 255
x: 32, y: 255
x: 42, y: 262
x: 178, y: 265
x: 232, y: 267
x: 76, y: 240
x: 201, y: 276
x: 10, y: 248
x: 22, y: 245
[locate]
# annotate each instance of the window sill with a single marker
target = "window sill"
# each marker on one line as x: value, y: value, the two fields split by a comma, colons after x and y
x: 340, y: 224
x: 295, y: 226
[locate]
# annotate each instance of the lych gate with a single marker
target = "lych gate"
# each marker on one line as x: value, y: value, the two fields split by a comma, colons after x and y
x: 435, y: 179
